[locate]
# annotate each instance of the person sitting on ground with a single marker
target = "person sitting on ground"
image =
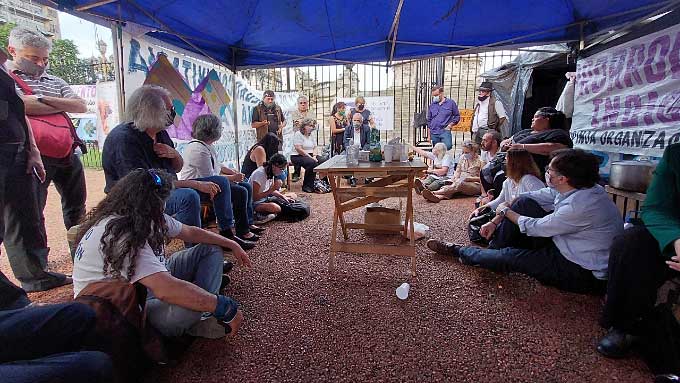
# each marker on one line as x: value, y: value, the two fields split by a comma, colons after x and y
x: 522, y: 177
x: 338, y: 122
x: 122, y: 239
x: 546, y: 135
x: 573, y: 250
x: 642, y: 259
x: 465, y: 179
x: 143, y: 142
x: 441, y: 170
x: 492, y: 174
x: 304, y: 146
x: 264, y: 186
x: 200, y: 161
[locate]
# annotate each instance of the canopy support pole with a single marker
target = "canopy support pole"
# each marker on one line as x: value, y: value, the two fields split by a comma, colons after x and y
x: 393, y: 33
x: 94, y: 4
x: 234, y: 98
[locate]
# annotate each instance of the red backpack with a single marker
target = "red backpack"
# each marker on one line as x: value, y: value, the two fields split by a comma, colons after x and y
x: 54, y: 134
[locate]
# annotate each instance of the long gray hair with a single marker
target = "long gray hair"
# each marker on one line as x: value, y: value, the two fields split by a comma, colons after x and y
x: 146, y: 108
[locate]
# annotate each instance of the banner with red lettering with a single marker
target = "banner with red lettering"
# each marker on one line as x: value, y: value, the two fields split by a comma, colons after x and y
x: 627, y: 98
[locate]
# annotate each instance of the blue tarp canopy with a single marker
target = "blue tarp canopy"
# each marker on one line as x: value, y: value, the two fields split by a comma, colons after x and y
x: 280, y: 33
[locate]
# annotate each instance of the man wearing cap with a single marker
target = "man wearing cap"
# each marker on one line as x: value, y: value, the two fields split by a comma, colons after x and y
x: 489, y: 113
x: 268, y: 117
x: 442, y: 115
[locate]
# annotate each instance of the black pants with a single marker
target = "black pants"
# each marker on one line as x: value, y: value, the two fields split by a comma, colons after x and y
x: 508, y: 234
x: 308, y: 164
x: 497, y: 183
x: 20, y: 221
x: 70, y: 183
x: 43, y: 344
x: 636, y: 271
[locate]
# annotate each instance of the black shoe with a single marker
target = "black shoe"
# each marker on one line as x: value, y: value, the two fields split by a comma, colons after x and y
x: 444, y: 248
x: 226, y: 267
x: 616, y: 344
x: 253, y: 238
x: 257, y: 230
x: 245, y: 245
x: 225, y: 282
x: 307, y: 189
x: 668, y: 378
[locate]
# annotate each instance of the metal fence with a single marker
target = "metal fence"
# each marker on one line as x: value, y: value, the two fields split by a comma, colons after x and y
x: 409, y: 82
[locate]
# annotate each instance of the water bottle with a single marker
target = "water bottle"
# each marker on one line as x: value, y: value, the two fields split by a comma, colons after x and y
x: 375, y: 152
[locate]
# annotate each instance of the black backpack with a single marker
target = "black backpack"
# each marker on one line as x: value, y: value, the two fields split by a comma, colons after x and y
x: 495, y: 166
x: 292, y: 211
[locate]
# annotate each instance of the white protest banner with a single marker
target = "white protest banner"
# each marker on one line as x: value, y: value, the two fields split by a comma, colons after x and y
x: 140, y: 53
x: 107, y: 109
x: 627, y: 98
x: 381, y: 108
x: 89, y: 94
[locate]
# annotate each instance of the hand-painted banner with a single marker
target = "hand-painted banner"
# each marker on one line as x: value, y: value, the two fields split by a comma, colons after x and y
x: 208, y: 82
x: 381, y: 107
x: 627, y: 98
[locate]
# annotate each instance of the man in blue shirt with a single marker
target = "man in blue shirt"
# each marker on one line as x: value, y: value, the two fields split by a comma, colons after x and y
x: 573, y: 212
x: 441, y: 116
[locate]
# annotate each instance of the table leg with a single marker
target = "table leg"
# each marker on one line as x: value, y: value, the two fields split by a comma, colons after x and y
x: 410, y: 221
x: 334, y: 234
x: 335, y: 184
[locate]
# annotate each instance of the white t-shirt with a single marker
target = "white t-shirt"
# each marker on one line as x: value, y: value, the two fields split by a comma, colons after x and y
x: 260, y: 176
x: 306, y: 142
x: 200, y: 160
x: 439, y: 163
x: 512, y: 190
x: 481, y: 118
x: 88, y: 264
x: 486, y: 156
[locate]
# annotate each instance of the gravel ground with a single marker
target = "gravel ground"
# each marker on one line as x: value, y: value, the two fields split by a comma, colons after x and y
x: 459, y: 324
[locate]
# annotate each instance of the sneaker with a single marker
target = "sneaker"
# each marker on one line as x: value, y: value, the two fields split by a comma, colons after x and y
x: 419, y: 186
x: 263, y: 218
x: 444, y: 248
x: 308, y: 190
x: 208, y: 327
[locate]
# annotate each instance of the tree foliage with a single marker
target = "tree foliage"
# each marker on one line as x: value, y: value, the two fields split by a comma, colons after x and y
x: 4, y: 33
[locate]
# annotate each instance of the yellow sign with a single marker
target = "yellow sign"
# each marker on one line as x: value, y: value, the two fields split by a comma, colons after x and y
x: 465, y: 121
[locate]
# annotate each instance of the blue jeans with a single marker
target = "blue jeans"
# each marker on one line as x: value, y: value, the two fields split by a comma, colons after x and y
x: 444, y: 136
x: 184, y: 204
x: 200, y: 265
x: 250, y: 212
x: 42, y: 344
x: 546, y: 264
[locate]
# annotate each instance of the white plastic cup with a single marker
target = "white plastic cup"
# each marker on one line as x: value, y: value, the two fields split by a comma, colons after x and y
x: 389, y: 153
x: 402, y: 291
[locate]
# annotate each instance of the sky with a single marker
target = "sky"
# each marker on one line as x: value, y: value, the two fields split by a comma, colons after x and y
x: 84, y: 34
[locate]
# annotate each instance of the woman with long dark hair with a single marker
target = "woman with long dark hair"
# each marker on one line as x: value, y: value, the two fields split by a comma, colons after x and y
x: 264, y: 184
x: 260, y: 153
x: 338, y: 122
x: 122, y: 239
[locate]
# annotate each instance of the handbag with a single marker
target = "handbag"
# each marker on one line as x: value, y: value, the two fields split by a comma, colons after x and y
x: 291, y: 211
x: 476, y: 223
x: 54, y: 134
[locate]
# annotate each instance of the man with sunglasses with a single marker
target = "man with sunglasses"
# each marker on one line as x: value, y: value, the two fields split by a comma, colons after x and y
x: 559, y: 235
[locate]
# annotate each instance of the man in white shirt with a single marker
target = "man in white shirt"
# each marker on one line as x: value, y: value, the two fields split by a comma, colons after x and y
x: 489, y: 113
x: 575, y: 218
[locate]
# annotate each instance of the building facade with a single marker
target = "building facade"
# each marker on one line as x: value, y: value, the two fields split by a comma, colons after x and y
x: 25, y: 13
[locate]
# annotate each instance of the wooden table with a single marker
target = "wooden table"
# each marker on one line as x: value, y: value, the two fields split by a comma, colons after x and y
x: 396, y: 179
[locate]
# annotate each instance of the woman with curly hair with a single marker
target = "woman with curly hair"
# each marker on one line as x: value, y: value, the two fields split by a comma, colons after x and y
x: 122, y: 239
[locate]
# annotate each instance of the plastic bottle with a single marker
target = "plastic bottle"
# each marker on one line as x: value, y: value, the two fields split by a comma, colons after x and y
x: 375, y: 152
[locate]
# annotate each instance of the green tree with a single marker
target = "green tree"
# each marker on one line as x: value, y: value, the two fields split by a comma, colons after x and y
x: 4, y: 33
x: 64, y: 62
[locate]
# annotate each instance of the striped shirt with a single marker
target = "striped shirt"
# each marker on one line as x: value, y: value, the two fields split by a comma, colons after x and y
x: 45, y: 85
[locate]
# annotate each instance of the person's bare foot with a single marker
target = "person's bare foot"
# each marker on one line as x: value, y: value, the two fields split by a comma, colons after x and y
x: 430, y: 196
x: 235, y: 324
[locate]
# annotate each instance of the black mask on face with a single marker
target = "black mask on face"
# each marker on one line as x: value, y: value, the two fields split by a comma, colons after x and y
x: 360, y: 107
x: 482, y: 98
x: 171, y: 116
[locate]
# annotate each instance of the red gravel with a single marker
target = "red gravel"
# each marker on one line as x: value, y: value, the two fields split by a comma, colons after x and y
x: 459, y: 323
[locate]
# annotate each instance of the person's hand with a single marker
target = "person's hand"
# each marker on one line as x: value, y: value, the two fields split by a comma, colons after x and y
x: 235, y: 324
x: 475, y: 212
x: 241, y: 257
x: 34, y: 163
x: 289, y: 199
x: 165, y: 151
x: 487, y: 230
x: 207, y: 187
x: 315, y: 159
x: 238, y: 177
x: 674, y: 263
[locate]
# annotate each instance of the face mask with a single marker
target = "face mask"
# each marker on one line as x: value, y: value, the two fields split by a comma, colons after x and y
x: 360, y: 107
x: 547, y: 180
x: 482, y: 98
x: 467, y: 156
x: 29, y: 67
x: 436, y: 99
x: 356, y: 125
x: 171, y: 116
x: 342, y: 113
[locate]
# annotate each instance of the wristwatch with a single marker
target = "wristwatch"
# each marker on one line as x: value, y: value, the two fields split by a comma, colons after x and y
x: 503, y: 211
